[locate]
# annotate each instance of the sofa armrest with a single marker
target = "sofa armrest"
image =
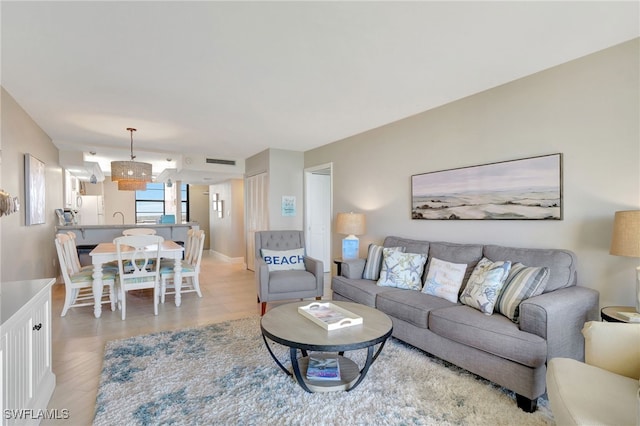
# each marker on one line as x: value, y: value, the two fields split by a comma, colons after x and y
x: 353, y: 268
x: 558, y: 317
x: 613, y: 346
x: 314, y: 266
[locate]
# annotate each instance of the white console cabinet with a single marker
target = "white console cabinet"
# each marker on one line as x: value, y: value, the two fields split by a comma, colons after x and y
x: 25, y: 351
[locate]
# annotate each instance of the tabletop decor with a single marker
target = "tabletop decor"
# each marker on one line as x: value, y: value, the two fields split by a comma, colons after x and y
x: 529, y: 188
x: 350, y: 224
x: 221, y: 374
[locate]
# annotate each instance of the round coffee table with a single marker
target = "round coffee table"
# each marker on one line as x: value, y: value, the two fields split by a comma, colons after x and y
x: 284, y: 325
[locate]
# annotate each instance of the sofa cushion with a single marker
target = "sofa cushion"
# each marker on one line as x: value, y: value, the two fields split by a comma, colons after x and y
x: 410, y: 306
x: 374, y: 261
x: 358, y: 290
x: 402, y: 270
x: 410, y: 246
x: 495, y: 334
x: 444, y: 279
x: 293, y: 280
x: 469, y: 254
x: 485, y: 284
x: 522, y: 283
x: 561, y: 263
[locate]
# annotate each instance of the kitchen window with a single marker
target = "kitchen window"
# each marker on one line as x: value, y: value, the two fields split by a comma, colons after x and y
x: 157, y: 200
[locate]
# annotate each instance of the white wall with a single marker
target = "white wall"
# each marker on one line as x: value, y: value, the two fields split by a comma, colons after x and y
x: 28, y: 252
x: 587, y: 109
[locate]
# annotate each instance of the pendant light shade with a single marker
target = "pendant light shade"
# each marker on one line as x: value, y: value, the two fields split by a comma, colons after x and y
x: 131, y: 175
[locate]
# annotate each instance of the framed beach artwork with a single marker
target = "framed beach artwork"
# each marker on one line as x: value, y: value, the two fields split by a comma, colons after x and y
x: 34, y: 189
x: 525, y: 189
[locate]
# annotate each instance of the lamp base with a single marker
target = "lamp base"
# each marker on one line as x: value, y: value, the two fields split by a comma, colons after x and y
x: 350, y: 247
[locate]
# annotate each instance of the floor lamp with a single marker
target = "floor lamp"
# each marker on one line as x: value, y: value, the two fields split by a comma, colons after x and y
x: 350, y: 224
x: 626, y: 241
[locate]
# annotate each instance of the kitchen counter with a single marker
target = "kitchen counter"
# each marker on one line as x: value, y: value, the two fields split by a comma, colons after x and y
x: 95, y: 234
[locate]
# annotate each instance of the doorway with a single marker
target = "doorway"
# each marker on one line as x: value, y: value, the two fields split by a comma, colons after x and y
x: 318, y: 190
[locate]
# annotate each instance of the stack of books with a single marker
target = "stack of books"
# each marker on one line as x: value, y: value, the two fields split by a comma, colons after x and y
x: 323, y: 369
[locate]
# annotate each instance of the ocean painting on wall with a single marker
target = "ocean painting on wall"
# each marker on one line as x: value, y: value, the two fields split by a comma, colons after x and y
x: 525, y: 189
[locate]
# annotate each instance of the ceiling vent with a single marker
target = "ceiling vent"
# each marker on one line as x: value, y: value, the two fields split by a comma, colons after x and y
x: 219, y: 161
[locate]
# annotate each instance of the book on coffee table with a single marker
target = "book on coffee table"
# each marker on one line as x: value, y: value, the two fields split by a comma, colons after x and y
x: 323, y: 369
x: 329, y: 315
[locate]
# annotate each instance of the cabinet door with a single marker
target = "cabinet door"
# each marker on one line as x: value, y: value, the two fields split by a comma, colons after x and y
x: 17, y: 384
x: 41, y: 335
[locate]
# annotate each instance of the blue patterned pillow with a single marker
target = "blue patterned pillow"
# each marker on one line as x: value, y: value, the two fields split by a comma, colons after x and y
x: 374, y: 261
x: 484, y: 285
x: 401, y: 270
x: 522, y: 283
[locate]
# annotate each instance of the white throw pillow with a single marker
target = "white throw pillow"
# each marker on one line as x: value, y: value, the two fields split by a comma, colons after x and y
x: 484, y: 285
x: 284, y: 260
x: 444, y: 279
x: 401, y: 270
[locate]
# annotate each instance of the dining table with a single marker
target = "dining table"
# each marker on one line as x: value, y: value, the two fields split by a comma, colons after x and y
x: 106, y: 252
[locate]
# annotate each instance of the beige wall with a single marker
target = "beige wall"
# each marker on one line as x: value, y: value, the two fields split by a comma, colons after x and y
x: 587, y: 109
x: 199, y: 209
x: 227, y: 232
x: 28, y: 252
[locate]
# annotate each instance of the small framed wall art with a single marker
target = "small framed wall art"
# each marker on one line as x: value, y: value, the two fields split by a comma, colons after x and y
x: 525, y: 189
x: 34, y: 188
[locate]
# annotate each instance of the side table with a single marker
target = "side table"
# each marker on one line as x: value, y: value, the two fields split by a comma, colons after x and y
x: 338, y: 263
x: 610, y: 313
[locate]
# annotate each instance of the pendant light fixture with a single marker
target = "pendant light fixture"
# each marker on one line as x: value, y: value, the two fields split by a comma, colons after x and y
x: 131, y: 175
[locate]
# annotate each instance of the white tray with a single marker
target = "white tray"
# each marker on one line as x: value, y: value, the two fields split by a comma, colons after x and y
x: 329, y: 316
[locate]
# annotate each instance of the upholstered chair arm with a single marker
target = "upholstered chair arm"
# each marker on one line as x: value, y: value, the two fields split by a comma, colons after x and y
x: 316, y: 267
x: 614, y: 347
x: 352, y: 268
x: 558, y: 317
x: 262, y: 279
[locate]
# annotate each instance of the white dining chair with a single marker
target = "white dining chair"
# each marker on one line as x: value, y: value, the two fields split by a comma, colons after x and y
x: 79, y: 282
x: 139, y: 231
x: 138, y: 267
x: 190, y: 268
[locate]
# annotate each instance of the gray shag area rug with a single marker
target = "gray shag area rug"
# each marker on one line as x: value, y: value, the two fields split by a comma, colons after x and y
x: 222, y: 374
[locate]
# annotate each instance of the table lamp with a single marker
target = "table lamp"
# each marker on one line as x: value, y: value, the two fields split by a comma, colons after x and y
x: 350, y: 224
x: 626, y: 241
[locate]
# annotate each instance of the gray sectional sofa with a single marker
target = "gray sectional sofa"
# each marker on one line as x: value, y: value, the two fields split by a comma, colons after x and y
x: 513, y: 355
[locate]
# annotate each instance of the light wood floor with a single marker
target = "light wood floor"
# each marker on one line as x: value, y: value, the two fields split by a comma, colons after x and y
x: 228, y: 293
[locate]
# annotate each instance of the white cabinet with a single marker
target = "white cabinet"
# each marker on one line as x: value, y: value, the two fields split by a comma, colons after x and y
x: 25, y: 350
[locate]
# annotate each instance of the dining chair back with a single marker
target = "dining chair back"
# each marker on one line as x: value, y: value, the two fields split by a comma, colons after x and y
x: 139, y: 231
x: 79, y: 281
x: 190, y: 267
x: 138, y: 267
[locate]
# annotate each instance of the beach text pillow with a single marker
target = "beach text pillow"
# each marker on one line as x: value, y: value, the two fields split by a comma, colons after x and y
x: 444, y: 279
x: 284, y: 260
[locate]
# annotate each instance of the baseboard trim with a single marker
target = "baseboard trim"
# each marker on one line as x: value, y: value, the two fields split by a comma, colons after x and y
x: 225, y: 258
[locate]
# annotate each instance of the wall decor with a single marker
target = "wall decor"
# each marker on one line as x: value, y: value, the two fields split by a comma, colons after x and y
x: 526, y: 189
x: 34, y: 188
x: 288, y: 206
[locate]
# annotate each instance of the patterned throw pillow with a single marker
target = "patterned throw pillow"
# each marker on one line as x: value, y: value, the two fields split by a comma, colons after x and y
x: 484, y: 285
x: 284, y: 260
x: 444, y: 279
x: 401, y: 270
x: 522, y: 283
x: 374, y: 261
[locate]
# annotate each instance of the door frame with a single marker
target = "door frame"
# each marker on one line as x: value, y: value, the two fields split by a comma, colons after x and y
x: 326, y: 168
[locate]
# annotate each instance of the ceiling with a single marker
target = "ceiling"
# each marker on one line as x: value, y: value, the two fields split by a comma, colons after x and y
x: 227, y: 80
